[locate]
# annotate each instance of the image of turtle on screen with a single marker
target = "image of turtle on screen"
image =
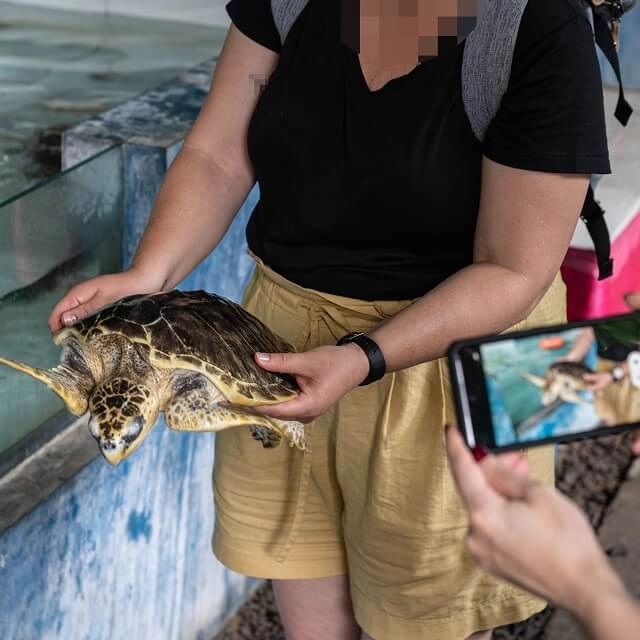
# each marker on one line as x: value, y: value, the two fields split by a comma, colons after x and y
x: 563, y: 383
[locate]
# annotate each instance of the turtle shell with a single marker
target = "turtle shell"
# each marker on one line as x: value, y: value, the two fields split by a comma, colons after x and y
x: 197, y: 331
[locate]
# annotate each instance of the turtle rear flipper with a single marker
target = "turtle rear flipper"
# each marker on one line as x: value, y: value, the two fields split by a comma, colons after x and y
x: 294, y: 433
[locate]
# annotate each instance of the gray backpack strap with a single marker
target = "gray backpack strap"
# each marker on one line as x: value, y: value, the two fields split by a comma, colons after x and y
x: 488, y: 54
x: 486, y: 71
x: 486, y: 64
x: 285, y: 13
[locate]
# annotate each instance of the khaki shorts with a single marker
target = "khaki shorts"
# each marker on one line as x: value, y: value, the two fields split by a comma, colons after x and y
x: 618, y: 402
x: 374, y: 498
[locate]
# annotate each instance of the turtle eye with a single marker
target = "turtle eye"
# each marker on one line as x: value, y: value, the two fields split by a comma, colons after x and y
x: 94, y: 428
x: 133, y: 429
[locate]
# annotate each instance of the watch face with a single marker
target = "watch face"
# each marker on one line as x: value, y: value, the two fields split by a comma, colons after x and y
x: 633, y: 361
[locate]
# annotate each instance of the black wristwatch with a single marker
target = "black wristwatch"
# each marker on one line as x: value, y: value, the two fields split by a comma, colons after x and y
x: 618, y: 374
x: 377, y: 365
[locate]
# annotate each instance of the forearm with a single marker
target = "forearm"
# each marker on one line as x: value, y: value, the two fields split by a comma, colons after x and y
x: 581, y: 346
x: 480, y: 299
x: 611, y: 613
x: 196, y: 204
x: 525, y: 223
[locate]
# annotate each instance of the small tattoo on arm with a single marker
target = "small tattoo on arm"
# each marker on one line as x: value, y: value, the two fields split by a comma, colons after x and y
x: 259, y: 82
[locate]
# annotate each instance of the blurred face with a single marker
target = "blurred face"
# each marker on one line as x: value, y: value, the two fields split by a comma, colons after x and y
x: 401, y: 29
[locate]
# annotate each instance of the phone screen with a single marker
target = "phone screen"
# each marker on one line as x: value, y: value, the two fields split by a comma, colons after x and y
x: 555, y: 384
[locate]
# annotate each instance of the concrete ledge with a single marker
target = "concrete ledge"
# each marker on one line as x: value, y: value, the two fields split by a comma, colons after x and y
x: 42, y: 466
x: 159, y: 118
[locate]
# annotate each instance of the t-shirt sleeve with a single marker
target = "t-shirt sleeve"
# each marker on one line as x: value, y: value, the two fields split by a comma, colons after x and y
x: 255, y: 20
x: 552, y: 115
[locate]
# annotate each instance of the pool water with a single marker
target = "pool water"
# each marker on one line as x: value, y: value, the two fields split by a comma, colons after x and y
x: 58, y: 68
x: 24, y: 336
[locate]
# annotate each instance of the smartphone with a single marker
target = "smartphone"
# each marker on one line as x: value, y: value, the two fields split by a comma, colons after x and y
x: 552, y: 384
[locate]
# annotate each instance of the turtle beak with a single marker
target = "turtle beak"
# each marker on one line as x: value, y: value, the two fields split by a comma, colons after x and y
x: 115, y: 451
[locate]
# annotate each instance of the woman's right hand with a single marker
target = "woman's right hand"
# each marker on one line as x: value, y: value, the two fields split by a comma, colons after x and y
x: 89, y: 296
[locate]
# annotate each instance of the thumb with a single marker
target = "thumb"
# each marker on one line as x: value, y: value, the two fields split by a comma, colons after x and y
x: 512, y: 459
x: 281, y: 362
x: 510, y: 483
x: 79, y: 303
x: 77, y: 312
x: 633, y: 300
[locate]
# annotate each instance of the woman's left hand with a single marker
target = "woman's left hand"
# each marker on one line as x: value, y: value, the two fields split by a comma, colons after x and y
x: 324, y: 375
x: 597, y: 381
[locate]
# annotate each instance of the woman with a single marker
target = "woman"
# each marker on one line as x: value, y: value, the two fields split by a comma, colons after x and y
x: 379, y: 212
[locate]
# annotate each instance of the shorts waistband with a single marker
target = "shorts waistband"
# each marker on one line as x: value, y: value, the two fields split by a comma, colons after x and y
x: 373, y: 310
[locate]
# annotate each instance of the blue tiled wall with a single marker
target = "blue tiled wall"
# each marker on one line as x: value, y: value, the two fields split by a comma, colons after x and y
x: 122, y: 553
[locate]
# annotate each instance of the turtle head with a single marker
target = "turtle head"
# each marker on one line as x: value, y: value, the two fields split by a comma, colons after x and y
x: 122, y: 414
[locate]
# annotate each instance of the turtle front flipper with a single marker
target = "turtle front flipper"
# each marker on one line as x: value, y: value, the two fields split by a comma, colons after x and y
x: 539, y: 381
x: 200, y: 410
x: 61, y: 379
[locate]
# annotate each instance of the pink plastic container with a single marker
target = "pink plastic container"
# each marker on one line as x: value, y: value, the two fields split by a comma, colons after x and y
x: 589, y: 298
x: 619, y: 195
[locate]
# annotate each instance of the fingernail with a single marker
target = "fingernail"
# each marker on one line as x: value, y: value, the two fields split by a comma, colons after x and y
x: 69, y: 318
x: 479, y: 452
x: 264, y: 357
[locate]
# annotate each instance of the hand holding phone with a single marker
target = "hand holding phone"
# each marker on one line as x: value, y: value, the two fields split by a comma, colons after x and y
x: 532, y: 535
x: 548, y: 385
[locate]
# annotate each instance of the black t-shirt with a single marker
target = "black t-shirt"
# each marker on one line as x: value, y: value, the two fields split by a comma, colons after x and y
x: 617, y: 345
x: 375, y: 195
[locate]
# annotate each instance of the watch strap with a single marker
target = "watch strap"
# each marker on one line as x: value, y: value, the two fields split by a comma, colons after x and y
x: 377, y: 365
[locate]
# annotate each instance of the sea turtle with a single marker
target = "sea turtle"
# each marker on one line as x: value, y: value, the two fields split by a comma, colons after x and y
x: 562, y: 381
x: 187, y: 353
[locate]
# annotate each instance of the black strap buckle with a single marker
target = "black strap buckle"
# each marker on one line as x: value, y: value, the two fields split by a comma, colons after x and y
x: 593, y: 216
x: 612, y: 11
x: 604, y: 14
